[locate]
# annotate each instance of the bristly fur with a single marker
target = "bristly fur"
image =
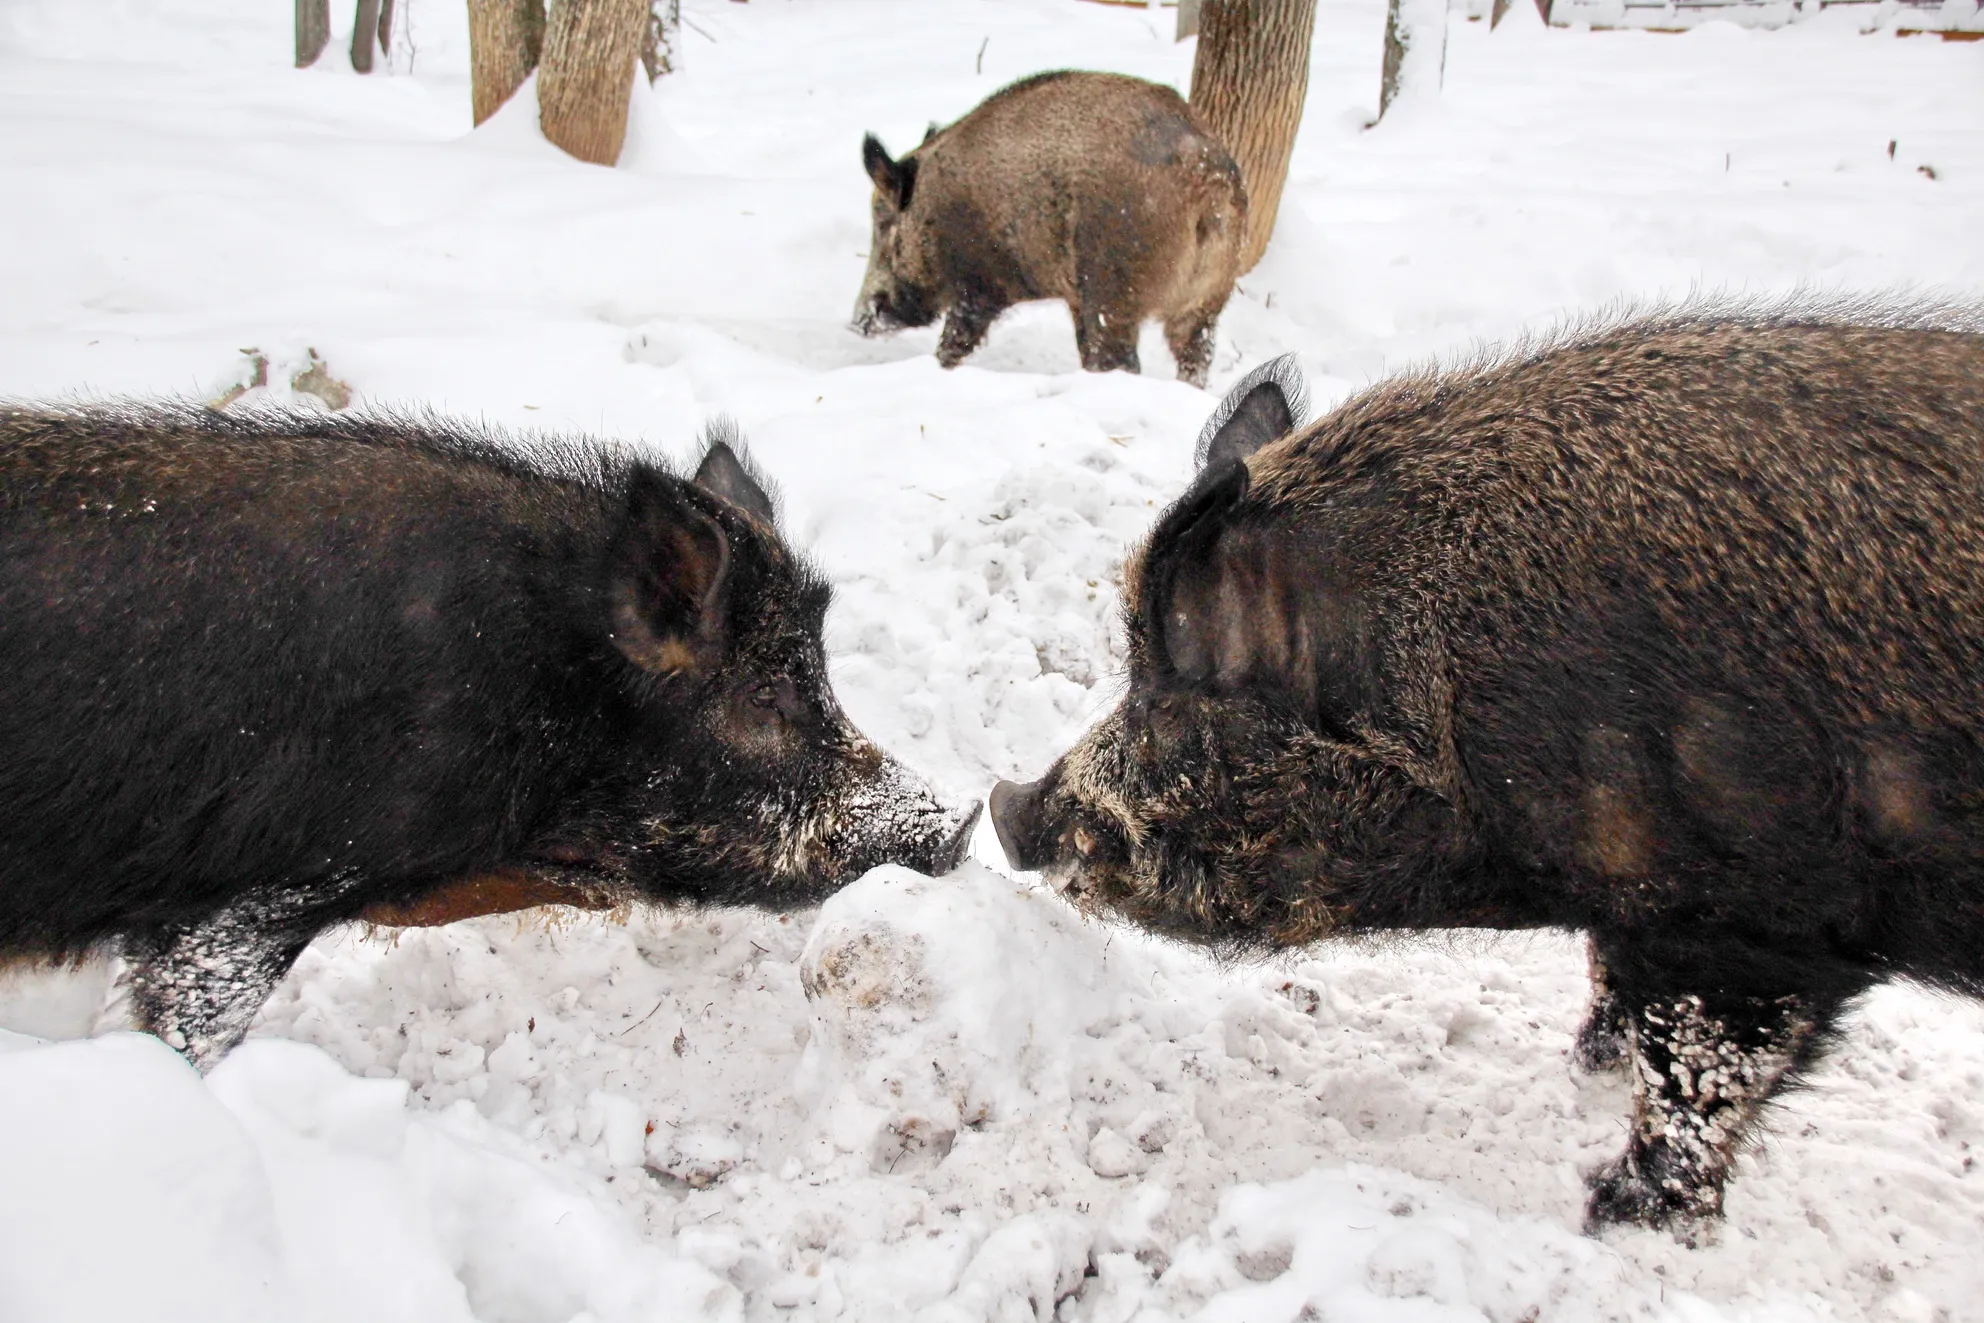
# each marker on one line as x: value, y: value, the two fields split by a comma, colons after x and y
x: 1661, y: 626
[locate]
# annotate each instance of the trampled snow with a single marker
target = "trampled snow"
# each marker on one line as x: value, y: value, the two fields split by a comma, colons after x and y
x: 953, y: 1099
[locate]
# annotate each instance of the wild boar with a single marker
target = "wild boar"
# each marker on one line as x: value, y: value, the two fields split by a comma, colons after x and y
x: 266, y: 673
x: 1669, y: 631
x: 1097, y: 189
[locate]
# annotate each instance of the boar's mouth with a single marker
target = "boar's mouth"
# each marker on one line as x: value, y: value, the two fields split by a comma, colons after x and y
x: 888, y: 818
x: 1257, y: 894
x: 897, y: 310
x: 798, y: 845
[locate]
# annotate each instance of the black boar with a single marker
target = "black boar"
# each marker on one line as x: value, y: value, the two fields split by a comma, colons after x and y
x: 1100, y: 190
x: 265, y: 673
x: 1670, y: 632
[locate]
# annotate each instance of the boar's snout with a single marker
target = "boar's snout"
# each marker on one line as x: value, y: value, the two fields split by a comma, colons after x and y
x: 892, y: 818
x: 953, y: 852
x: 1019, y: 817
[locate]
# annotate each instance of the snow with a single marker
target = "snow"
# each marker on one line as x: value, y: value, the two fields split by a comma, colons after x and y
x: 952, y: 1099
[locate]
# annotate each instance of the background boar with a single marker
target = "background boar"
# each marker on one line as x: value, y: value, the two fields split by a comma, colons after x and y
x: 1097, y: 189
x: 1670, y: 632
x: 265, y: 672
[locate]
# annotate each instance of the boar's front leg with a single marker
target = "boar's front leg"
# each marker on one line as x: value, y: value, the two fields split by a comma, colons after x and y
x: 1703, y: 1064
x: 965, y: 325
x: 1601, y: 1041
x: 198, y: 987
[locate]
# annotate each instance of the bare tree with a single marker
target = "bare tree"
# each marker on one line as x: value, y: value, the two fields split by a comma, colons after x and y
x: 1415, y: 50
x: 1250, y: 77
x: 660, y: 44
x: 365, y: 35
x: 504, y: 40
x: 313, y: 30
x: 587, y: 74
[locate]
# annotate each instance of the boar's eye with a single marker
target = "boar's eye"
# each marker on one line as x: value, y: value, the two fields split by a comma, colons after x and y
x: 775, y: 700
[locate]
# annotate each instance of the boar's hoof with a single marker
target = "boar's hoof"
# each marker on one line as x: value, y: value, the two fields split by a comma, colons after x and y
x: 1649, y: 1188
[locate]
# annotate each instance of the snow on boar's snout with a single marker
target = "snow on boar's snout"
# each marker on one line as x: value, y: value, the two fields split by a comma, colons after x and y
x: 1668, y: 631
x: 270, y: 673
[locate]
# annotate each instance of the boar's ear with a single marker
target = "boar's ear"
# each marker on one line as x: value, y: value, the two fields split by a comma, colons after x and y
x: 1184, y: 537
x: 1263, y: 406
x: 726, y: 472
x: 896, y: 179
x: 930, y: 132
x: 667, y: 577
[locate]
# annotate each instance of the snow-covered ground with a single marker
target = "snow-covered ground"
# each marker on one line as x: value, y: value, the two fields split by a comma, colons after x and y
x: 947, y: 1100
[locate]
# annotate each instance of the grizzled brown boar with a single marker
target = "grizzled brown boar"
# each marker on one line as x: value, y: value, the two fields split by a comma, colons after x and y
x: 1100, y: 190
x: 1669, y: 632
x: 266, y: 673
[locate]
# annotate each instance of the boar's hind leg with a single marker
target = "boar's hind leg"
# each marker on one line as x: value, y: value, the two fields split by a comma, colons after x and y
x: 1107, y: 338
x: 198, y: 988
x: 965, y: 325
x: 1191, y: 338
x: 1702, y: 1067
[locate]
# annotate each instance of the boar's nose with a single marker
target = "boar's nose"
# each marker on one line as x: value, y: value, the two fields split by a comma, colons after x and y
x: 1016, y: 816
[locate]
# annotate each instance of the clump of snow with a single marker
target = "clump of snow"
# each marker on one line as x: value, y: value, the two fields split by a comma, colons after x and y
x: 987, y: 1107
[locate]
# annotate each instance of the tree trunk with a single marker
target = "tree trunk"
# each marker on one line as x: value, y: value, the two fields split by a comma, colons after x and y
x: 662, y: 42
x: 587, y: 75
x: 386, y: 27
x: 1249, y: 80
x: 504, y: 39
x: 313, y: 30
x: 365, y: 35
x: 1415, y: 50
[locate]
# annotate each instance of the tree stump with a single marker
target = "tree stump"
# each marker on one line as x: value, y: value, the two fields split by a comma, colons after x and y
x: 587, y: 74
x: 1250, y: 78
x: 662, y: 39
x: 504, y: 40
x: 313, y: 30
x: 365, y: 35
x: 1415, y: 50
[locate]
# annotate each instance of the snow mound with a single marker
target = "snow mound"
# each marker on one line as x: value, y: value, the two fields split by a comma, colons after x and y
x: 973, y: 1005
x: 282, y: 1187
x: 941, y: 1003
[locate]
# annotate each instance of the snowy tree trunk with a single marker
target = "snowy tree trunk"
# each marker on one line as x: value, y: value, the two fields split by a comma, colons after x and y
x: 504, y: 39
x: 661, y: 43
x: 1415, y: 51
x: 365, y: 35
x: 385, y: 27
x: 313, y: 30
x: 1188, y: 19
x: 1250, y: 77
x: 587, y: 73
